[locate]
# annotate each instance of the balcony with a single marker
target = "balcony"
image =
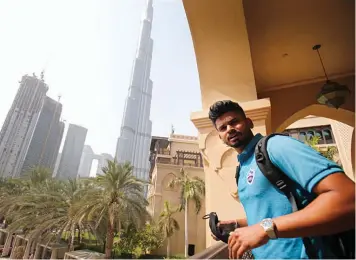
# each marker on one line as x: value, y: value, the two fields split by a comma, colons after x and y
x: 163, y: 151
x: 183, y: 158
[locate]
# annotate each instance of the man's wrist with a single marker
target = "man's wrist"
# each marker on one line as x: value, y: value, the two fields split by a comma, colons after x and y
x: 269, y: 227
x: 241, y: 222
x: 237, y: 223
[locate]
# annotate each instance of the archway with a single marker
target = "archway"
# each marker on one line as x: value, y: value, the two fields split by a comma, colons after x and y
x: 341, y: 132
x: 341, y: 115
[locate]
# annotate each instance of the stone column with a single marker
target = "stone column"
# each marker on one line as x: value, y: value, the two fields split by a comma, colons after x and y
x: 37, y: 252
x: 2, y: 237
x: 54, y: 252
x: 27, y: 249
x: 6, y: 250
x: 222, y: 50
x: 14, y: 245
x: 220, y: 161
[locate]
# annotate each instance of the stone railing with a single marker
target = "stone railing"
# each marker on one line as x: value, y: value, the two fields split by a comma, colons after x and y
x: 163, y: 151
x: 217, y: 251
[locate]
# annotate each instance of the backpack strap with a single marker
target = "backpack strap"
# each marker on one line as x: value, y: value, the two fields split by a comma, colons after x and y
x: 281, y: 181
x: 237, y: 173
x: 271, y: 172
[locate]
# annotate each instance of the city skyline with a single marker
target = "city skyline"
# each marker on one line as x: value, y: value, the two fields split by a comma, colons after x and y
x: 93, y: 67
x: 33, y: 132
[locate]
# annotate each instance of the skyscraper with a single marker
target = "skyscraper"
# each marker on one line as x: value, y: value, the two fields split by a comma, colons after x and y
x: 46, y: 139
x: 134, y: 142
x: 86, y: 162
x: 103, y: 162
x: 72, y: 152
x: 55, y: 171
x: 19, y: 125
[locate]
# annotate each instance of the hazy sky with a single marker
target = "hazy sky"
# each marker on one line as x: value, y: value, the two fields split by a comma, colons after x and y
x: 87, y: 49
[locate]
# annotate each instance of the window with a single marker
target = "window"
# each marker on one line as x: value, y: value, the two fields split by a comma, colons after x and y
x: 320, y: 135
x: 310, y: 135
x: 302, y: 136
x: 294, y: 135
x: 327, y: 136
x: 323, y: 132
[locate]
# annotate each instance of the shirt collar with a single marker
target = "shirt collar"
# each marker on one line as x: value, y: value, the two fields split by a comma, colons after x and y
x: 249, y: 149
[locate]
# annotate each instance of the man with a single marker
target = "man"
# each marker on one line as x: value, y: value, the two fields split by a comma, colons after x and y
x: 333, y: 193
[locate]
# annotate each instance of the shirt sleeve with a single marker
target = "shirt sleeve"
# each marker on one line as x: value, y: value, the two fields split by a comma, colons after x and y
x: 299, y: 161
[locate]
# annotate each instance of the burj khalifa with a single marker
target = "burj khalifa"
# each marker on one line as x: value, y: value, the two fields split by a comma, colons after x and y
x: 133, y: 145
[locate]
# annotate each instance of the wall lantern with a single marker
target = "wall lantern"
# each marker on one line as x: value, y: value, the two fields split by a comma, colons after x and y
x: 332, y: 94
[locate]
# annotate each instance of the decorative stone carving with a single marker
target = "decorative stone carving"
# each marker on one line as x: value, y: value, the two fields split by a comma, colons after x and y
x: 166, y: 180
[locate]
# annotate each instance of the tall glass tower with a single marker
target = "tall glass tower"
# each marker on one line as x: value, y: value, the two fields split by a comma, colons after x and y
x: 133, y: 144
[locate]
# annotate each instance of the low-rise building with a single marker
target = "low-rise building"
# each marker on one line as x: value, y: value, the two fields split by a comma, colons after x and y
x: 168, y: 156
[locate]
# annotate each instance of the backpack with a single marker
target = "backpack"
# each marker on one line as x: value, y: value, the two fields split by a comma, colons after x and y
x: 341, y: 244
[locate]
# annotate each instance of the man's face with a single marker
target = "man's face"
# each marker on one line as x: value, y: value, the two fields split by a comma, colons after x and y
x: 234, y: 129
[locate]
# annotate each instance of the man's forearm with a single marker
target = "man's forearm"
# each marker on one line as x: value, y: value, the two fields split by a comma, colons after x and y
x: 329, y: 213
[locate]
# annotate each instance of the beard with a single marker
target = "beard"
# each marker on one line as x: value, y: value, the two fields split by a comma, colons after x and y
x: 235, y: 139
x: 237, y: 144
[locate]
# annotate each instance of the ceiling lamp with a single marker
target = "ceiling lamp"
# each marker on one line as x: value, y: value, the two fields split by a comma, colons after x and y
x: 332, y: 94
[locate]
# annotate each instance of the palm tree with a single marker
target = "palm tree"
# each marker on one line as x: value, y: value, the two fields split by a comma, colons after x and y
x: 191, y: 189
x: 167, y: 224
x: 116, y: 197
x: 46, y: 208
x: 46, y: 211
x: 13, y: 188
x: 38, y: 174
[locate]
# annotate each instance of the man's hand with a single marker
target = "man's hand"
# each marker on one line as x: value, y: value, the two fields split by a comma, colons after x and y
x: 240, y: 222
x: 222, y: 222
x: 246, y: 238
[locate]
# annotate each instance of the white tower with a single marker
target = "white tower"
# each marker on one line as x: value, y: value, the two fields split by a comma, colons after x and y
x: 133, y: 144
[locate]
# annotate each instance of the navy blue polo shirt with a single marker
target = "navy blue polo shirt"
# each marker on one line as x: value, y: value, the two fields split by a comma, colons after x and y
x: 261, y: 199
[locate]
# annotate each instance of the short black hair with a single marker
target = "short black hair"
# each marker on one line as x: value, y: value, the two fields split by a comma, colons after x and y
x: 221, y: 107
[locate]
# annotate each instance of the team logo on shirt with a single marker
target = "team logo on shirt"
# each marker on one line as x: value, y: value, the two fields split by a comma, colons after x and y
x: 250, y: 176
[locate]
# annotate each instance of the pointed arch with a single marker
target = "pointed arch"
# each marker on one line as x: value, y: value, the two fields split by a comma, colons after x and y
x: 341, y: 115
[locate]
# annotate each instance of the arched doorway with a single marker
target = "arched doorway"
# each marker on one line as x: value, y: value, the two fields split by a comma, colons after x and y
x: 341, y: 123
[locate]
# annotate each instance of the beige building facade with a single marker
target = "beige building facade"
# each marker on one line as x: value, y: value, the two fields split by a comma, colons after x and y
x: 260, y: 54
x: 168, y: 157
